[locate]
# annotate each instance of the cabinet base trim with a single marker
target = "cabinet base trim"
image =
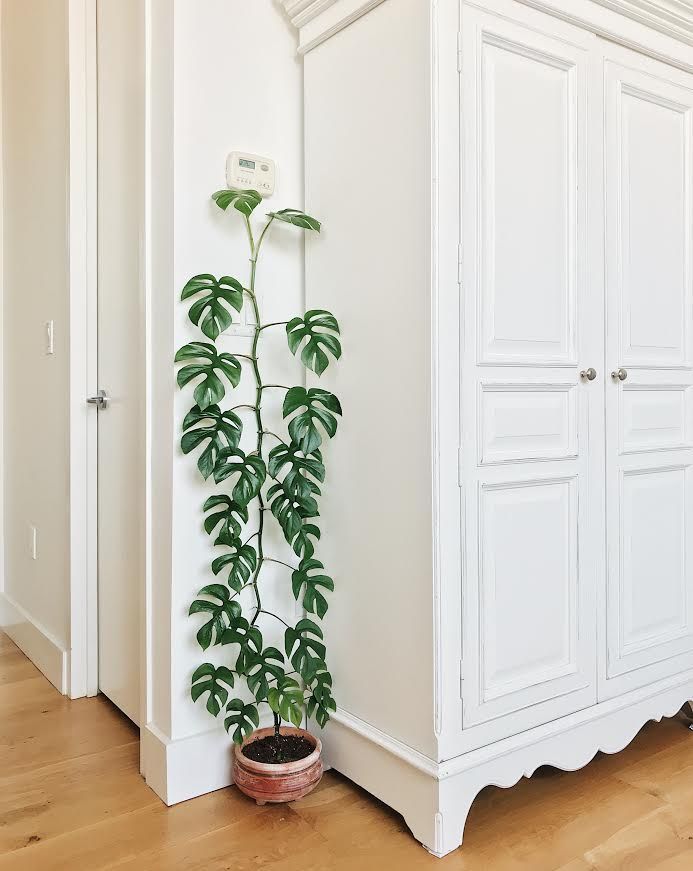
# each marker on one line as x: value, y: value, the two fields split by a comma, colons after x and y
x: 435, y: 800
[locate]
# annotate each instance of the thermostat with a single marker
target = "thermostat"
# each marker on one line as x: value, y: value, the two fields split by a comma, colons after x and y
x: 250, y: 172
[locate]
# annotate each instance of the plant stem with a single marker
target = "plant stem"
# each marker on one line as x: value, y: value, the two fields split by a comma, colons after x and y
x: 276, y: 617
x: 278, y: 386
x: 269, y: 559
x: 274, y: 324
x: 254, y: 250
x: 277, y: 724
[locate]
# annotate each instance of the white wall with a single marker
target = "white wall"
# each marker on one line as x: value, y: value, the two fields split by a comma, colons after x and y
x: 248, y: 98
x: 236, y: 85
x: 35, y: 281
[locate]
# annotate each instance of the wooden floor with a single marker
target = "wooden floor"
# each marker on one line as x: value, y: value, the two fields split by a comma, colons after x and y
x: 71, y: 798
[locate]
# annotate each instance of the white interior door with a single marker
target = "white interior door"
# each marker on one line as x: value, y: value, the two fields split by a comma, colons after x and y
x: 532, y: 426
x: 649, y: 234
x: 120, y: 351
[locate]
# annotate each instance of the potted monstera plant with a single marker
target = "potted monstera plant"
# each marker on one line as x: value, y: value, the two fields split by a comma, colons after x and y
x: 260, y: 477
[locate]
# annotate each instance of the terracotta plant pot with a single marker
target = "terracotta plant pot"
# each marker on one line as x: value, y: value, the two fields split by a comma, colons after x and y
x: 287, y: 781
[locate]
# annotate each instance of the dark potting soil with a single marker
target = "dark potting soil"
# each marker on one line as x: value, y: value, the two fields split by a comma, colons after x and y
x: 275, y: 749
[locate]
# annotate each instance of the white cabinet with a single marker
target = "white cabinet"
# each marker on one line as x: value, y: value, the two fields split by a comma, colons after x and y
x: 508, y: 214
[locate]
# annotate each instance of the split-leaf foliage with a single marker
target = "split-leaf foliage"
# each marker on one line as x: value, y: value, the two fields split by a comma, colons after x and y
x: 270, y: 476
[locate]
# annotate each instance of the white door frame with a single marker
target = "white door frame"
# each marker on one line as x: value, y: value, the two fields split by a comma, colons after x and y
x: 83, y: 268
x: 82, y: 208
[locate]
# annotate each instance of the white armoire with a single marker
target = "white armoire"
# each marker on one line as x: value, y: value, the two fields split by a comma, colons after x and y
x: 507, y: 195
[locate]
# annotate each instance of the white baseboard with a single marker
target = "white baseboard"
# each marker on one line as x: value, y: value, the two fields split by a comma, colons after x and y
x: 36, y: 642
x: 184, y: 768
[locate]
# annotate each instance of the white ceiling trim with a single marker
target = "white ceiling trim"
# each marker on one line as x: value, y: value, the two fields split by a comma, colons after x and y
x: 317, y: 20
x: 673, y: 17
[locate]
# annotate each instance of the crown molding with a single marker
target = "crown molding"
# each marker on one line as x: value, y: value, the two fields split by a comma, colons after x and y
x: 672, y: 17
x: 318, y: 20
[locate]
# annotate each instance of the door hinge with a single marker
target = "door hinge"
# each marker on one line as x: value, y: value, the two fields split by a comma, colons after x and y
x: 459, y: 51
x: 459, y: 264
x: 462, y: 679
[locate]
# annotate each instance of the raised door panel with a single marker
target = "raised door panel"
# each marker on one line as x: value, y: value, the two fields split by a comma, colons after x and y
x: 528, y: 418
x: 527, y: 184
x: 649, y: 161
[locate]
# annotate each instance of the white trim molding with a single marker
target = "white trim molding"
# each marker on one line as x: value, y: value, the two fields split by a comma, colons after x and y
x: 673, y: 17
x: 318, y: 20
x: 36, y: 642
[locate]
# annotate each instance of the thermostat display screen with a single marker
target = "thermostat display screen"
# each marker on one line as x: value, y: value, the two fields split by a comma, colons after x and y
x: 247, y: 164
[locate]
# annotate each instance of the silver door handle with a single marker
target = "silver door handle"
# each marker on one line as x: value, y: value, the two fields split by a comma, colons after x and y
x: 619, y: 375
x: 101, y: 400
x: 588, y: 374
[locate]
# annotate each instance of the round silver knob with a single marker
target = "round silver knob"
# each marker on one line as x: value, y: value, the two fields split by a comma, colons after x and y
x: 619, y: 375
x: 589, y: 374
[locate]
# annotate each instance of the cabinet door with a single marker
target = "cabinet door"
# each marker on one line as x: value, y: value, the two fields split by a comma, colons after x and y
x: 649, y: 233
x: 532, y: 428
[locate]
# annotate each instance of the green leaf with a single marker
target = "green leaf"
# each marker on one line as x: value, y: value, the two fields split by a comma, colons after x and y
x: 219, y: 429
x: 241, y: 563
x: 302, y: 544
x: 228, y: 518
x: 208, y: 679
x: 211, y: 312
x: 286, y: 699
x: 209, y: 391
x: 245, y: 201
x: 304, y: 647
x: 249, y: 639
x: 261, y: 668
x: 320, y: 702
x: 298, y: 219
x: 319, y: 406
x: 313, y: 600
x: 290, y: 455
x: 312, y: 327
x: 290, y: 510
x: 244, y: 717
x: 250, y: 472
x: 223, y: 613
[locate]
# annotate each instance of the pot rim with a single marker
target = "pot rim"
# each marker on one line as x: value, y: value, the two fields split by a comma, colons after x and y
x: 276, y: 768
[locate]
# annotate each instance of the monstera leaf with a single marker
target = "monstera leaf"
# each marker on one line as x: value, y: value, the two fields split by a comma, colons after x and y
x: 249, y: 639
x: 302, y: 544
x: 320, y: 702
x: 245, y: 201
x: 220, y: 429
x: 290, y: 455
x: 313, y: 600
x: 319, y: 406
x: 286, y: 699
x: 209, y: 391
x: 261, y: 668
x: 223, y: 612
x: 290, y: 509
x: 304, y: 647
x: 211, y: 312
x: 298, y: 219
x: 208, y: 679
x: 244, y: 717
x: 227, y: 519
x: 250, y: 472
x: 241, y: 563
x: 313, y: 326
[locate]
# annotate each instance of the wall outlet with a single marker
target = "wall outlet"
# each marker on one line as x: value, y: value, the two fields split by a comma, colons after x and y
x: 33, y: 542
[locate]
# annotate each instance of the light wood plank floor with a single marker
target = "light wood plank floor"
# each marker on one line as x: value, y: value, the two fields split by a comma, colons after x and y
x: 71, y: 798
